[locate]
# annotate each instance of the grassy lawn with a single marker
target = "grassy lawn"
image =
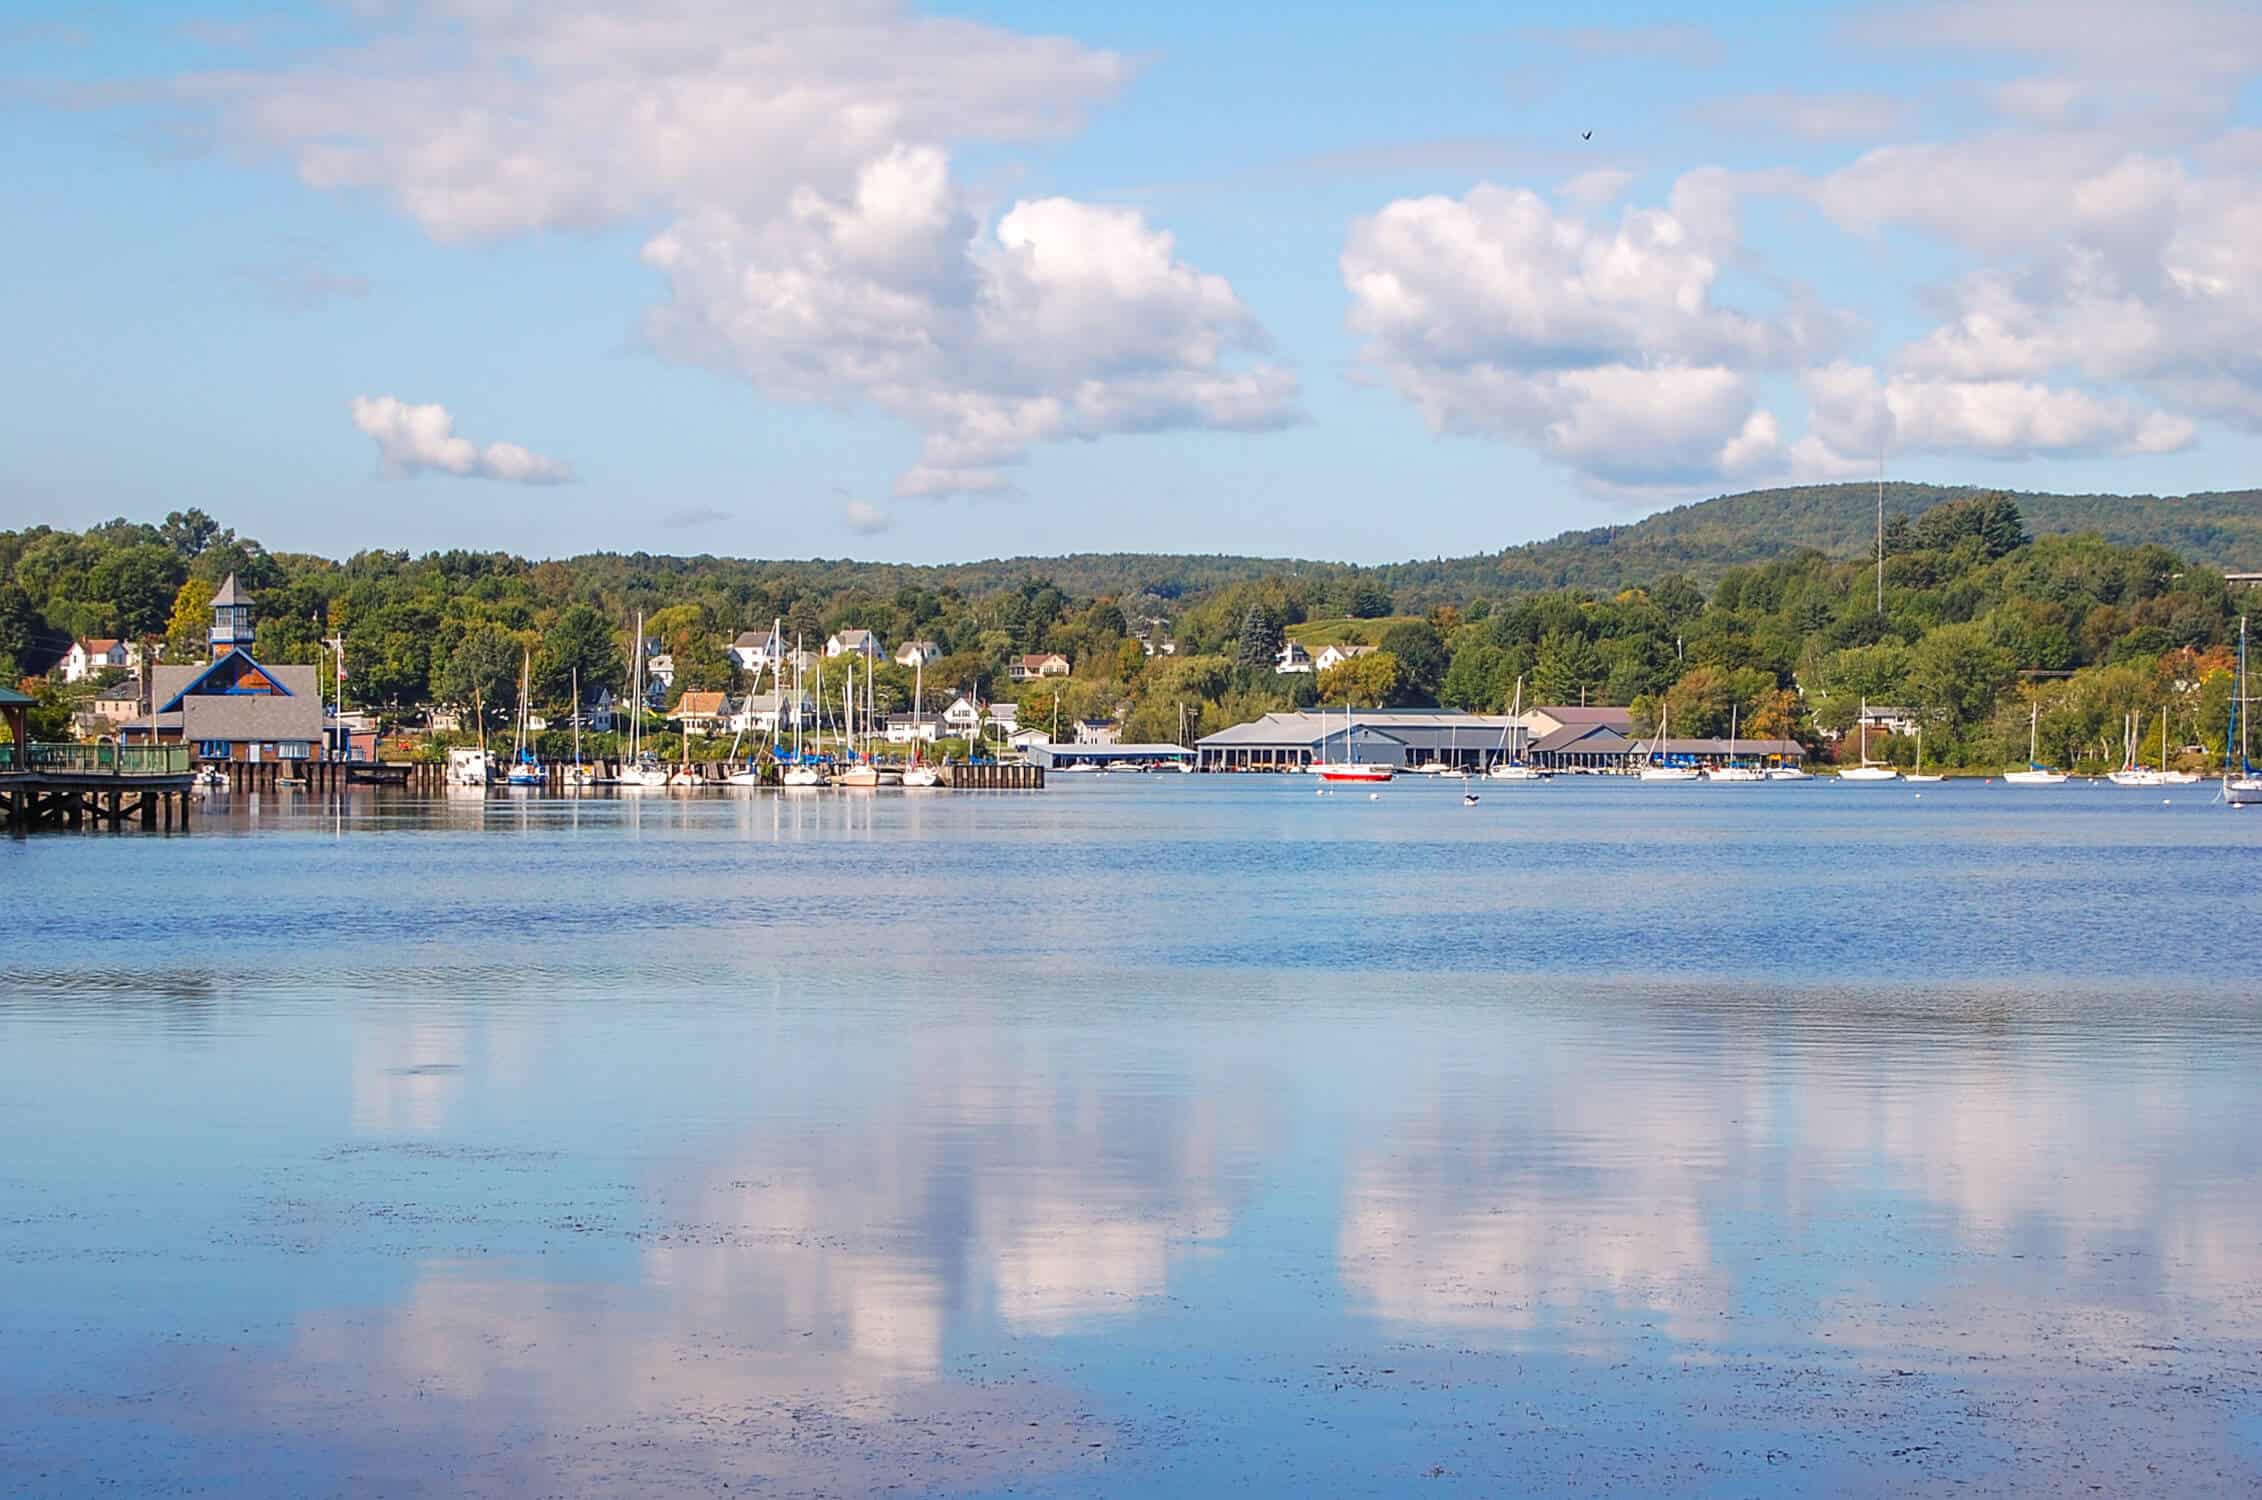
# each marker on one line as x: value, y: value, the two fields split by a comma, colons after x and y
x: 1314, y: 634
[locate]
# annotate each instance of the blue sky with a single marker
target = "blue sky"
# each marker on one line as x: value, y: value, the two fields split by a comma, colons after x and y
x: 941, y: 283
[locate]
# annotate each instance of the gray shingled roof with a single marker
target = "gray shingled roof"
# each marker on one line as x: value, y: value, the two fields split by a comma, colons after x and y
x: 230, y: 594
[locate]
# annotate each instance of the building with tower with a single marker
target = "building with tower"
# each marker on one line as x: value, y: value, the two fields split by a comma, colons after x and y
x: 233, y: 707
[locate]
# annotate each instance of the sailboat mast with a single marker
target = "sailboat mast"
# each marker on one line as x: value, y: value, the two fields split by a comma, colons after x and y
x: 1880, y: 537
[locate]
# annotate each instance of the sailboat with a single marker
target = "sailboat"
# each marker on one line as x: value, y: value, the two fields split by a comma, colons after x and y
x: 1348, y: 768
x: 1868, y: 770
x: 801, y: 773
x: 1919, y: 774
x: 2241, y: 787
x: 526, y: 765
x: 862, y: 770
x: 1734, y: 770
x: 2036, y: 773
x: 750, y: 774
x: 1655, y: 769
x: 1514, y: 770
x: 919, y: 774
x: 642, y: 769
x: 578, y: 775
x: 2135, y: 773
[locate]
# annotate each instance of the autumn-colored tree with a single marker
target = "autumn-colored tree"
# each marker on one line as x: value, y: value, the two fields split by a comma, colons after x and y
x: 1367, y: 681
x: 188, y: 633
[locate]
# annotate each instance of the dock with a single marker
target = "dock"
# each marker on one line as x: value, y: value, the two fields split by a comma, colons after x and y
x: 100, y: 786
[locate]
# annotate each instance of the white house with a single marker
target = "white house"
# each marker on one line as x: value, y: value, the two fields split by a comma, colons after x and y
x: 907, y: 729
x: 751, y: 651
x: 862, y: 643
x: 962, y: 717
x: 99, y: 654
x: 597, y: 713
x: 1024, y: 739
x: 1896, y: 721
x: 917, y: 653
x: 1005, y: 716
x: 1292, y: 660
x: 1335, y: 656
x: 1098, y: 732
x: 1043, y: 664
x: 763, y: 713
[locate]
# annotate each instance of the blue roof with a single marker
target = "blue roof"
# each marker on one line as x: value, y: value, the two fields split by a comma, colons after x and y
x: 241, y: 658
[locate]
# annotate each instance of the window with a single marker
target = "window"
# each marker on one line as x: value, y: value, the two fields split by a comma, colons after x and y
x: 292, y: 750
x: 212, y: 749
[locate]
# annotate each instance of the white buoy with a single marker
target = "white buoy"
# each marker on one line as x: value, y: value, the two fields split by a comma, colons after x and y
x: 1374, y: 796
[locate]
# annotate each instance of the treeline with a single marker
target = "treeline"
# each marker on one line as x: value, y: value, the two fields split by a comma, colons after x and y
x: 1978, y: 617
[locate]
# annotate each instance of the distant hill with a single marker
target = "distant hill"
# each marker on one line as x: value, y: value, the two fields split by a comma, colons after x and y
x: 1702, y: 540
x: 2222, y: 530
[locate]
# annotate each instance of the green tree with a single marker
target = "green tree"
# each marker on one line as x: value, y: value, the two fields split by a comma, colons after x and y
x: 1420, y: 653
x: 579, y: 641
x: 1370, y: 600
x: 480, y: 676
x: 1261, y: 639
x: 188, y: 532
x: 1956, y: 675
x: 1568, y: 668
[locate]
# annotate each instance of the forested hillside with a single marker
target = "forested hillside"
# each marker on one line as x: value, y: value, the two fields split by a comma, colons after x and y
x: 1762, y: 607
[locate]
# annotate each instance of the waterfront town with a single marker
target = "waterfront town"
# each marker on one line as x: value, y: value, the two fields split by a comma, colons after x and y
x: 1963, y: 645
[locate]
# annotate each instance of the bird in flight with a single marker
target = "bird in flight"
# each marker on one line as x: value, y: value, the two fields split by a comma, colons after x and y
x: 1586, y: 135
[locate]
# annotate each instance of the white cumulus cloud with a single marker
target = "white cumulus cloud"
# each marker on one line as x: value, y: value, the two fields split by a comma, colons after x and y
x: 1598, y: 341
x: 813, y: 239
x: 1066, y: 320
x: 866, y: 519
x: 413, y: 439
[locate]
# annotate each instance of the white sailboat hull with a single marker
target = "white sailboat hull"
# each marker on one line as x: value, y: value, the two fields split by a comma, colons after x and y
x: 1515, y: 773
x: 1669, y: 773
x: 2034, y: 778
x: 2243, y: 791
x: 1869, y: 773
x: 919, y: 776
x: 1789, y: 773
x: 1738, y: 774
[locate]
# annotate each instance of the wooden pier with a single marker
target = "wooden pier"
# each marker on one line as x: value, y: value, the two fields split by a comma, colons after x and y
x: 93, y: 786
x: 994, y: 776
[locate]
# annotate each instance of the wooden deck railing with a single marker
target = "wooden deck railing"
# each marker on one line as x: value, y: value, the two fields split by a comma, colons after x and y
x: 118, y: 760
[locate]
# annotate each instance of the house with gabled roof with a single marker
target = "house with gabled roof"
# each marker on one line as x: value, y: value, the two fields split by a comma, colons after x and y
x: 235, y: 707
x: 864, y: 643
x: 98, y: 654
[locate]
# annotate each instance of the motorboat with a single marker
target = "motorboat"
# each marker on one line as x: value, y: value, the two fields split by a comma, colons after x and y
x: 468, y: 767
x: 1736, y: 774
x: 1789, y: 773
x: 921, y: 776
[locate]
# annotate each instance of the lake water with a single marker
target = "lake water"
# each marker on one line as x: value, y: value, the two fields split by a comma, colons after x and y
x: 1148, y: 1136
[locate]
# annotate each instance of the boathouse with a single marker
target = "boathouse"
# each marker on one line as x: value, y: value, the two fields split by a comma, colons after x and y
x: 1400, y: 737
x: 234, y: 707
